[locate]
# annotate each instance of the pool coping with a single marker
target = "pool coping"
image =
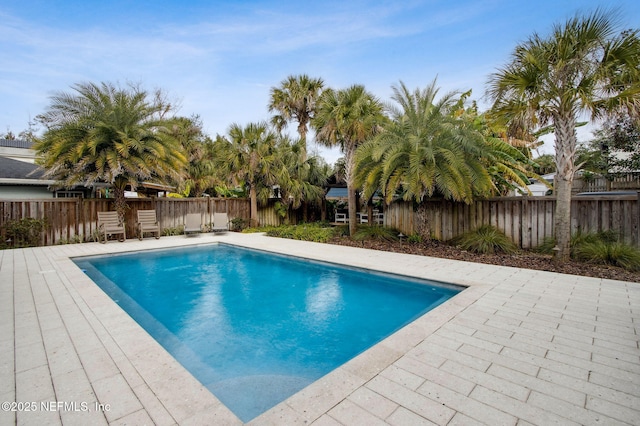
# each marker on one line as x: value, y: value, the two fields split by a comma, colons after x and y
x: 72, y: 343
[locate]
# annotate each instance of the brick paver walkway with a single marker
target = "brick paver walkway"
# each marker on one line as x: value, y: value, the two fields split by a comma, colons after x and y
x: 518, y: 347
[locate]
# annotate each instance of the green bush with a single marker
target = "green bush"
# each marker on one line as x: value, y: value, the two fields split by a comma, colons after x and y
x: 602, y: 247
x: 609, y: 253
x: 577, y: 239
x: 341, y: 231
x: 253, y: 229
x: 76, y: 239
x: 25, y: 232
x: 485, y: 240
x: 375, y: 233
x: 239, y: 224
x: 178, y: 230
x: 304, y: 232
x: 414, y: 239
x: 548, y: 243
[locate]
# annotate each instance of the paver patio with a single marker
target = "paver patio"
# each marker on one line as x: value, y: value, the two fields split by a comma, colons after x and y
x: 517, y: 347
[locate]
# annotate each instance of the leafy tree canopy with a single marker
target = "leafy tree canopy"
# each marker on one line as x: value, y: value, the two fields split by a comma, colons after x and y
x: 105, y: 133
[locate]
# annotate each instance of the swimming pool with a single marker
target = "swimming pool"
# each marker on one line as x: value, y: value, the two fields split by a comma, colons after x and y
x: 254, y: 327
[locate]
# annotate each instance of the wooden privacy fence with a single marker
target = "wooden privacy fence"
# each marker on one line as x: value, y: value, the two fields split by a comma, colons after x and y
x: 526, y: 220
x: 69, y: 219
x: 616, y: 182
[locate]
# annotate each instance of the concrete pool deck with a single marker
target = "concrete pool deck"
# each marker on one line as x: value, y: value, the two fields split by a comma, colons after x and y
x: 517, y: 347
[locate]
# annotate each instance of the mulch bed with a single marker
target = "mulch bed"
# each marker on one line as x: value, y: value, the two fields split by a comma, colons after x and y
x: 522, y: 259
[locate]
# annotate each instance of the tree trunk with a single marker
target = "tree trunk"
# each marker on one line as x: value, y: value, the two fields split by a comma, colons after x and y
x: 422, y: 225
x: 566, y: 141
x: 562, y: 219
x: 120, y: 202
x: 253, y: 197
x: 353, y: 209
x: 349, y: 159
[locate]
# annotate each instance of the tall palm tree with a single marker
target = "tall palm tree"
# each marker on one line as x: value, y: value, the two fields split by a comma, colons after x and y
x: 424, y: 150
x: 295, y: 100
x: 250, y: 158
x: 584, y: 67
x: 348, y: 118
x: 104, y: 133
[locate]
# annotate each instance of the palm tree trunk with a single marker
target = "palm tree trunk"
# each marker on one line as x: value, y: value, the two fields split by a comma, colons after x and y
x: 253, y: 197
x: 566, y: 142
x: 120, y: 202
x: 349, y: 166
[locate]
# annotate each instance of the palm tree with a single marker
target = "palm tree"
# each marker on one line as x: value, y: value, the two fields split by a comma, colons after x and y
x: 295, y: 100
x: 585, y: 66
x: 306, y: 175
x: 103, y: 133
x: 348, y: 118
x: 507, y: 154
x: 199, y: 173
x: 424, y: 150
x: 250, y: 158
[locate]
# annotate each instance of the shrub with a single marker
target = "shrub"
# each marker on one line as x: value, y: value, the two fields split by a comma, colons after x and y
x: 609, y: 253
x: 548, y: 243
x: 239, y: 224
x: 304, y: 232
x: 485, y: 240
x: 178, y: 230
x: 577, y: 239
x: 602, y: 247
x: 375, y: 233
x: 24, y: 232
x: 76, y: 239
x: 253, y: 229
x: 341, y: 231
x: 414, y: 239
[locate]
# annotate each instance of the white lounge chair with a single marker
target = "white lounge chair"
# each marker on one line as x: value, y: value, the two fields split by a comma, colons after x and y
x: 220, y: 222
x: 193, y: 224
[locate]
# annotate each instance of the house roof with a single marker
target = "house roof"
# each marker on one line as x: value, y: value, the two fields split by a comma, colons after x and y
x: 337, y: 193
x: 15, y: 172
x: 15, y: 169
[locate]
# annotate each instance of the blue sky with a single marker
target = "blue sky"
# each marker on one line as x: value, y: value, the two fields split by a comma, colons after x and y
x: 219, y: 59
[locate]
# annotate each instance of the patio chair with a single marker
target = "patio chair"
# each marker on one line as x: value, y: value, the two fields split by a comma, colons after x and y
x: 193, y: 224
x: 147, y: 222
x: 109, y: 224
x: 341, y: 217
x: 220, y: 222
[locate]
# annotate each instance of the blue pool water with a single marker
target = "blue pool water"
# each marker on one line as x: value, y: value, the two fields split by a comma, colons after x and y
x: 254, y: 327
